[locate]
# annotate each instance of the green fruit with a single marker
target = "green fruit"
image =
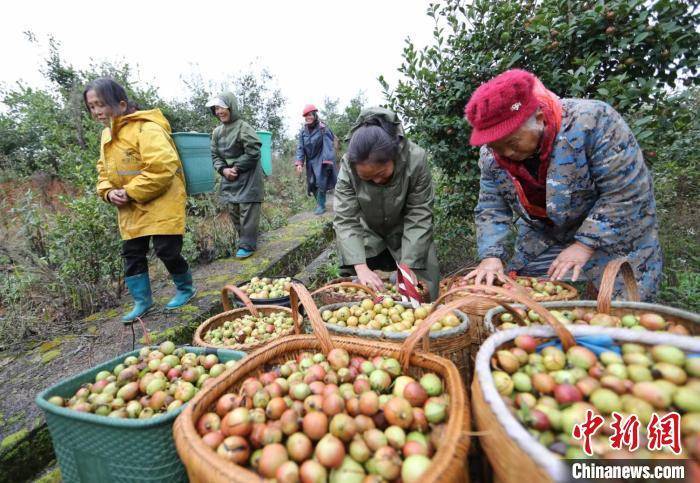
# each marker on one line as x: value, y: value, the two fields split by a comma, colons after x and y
x: 606, y: 401
x: 642, y: 409
x: 637, y: 359
x: 690, y: 424
x: 629, y: 320
x: 652, y: 393
x: 669, y: 372
x: 521, y: 382
x: 618, y: 370
x: 639, y: 373
x: 692, y: 366
x: 687, y: 400
x: 630, y: 348
x: 503, y: 382
x: 610, y: 357
x: 579, y: 356
x: 668, y: 353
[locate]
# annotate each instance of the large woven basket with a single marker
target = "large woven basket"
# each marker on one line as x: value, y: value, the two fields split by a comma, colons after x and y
x: 513, y: 453
x: 451, y: 344
x: 604, y: 303
x: 448, y: 463
x: 98, y: 448
x: 228, y: 314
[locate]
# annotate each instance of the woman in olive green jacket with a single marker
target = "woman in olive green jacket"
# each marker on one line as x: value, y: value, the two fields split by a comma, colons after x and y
x: 383, y: 203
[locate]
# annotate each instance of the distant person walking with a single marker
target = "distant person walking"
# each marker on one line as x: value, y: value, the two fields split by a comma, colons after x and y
x: 235, y: 152
x: 139, y: 172
x: 316, y: 149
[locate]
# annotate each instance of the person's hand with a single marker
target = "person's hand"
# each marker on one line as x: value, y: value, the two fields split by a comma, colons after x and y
x: 368, y: 278
x: 488, y: 270
x: 230, y: 174
x: 573, y: 257
x: 118, y: 197
x: 299, y: 168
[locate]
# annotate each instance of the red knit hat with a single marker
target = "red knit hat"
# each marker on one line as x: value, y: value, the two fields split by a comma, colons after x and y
x: 500, y: 106
x: 308, y: 108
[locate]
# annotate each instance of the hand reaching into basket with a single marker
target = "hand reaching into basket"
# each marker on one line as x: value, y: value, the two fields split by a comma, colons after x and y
x: 368, y: 278
x: 488, y: 271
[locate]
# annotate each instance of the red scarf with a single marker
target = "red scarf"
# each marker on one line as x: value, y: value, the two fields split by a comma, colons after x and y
x: 532, y: 191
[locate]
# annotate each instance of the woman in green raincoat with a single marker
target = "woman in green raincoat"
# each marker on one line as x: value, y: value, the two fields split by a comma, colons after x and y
x: 235, y: 152
x: 383, y: 203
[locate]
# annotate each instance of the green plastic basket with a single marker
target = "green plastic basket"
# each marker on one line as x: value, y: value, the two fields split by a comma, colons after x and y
x: 98, y: 448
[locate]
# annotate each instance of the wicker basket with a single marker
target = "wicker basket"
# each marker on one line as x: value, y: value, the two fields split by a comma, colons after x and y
x: 451, y: 344
x: 422, y: 290
x: 98, y: 448
x: 448, y: 463
x: 327, y: 295
x: 228, y: 314
x: 605, y: 305
x: 513, y: 453
x: 280, y: 301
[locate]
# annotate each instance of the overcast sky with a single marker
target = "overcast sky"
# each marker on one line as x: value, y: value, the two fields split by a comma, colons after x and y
x: 316, y: 49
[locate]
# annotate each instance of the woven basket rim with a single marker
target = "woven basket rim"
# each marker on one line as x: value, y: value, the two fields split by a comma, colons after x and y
x: 278, y: 300
x: 42, y: 399
x: 393, y: 336
x: 674, y: 311
x: 458, y: 413
x: 542, y: 457
x: 198, y: 339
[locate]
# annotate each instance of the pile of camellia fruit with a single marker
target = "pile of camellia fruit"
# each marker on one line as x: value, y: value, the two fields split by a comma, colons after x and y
x: 250, y: 329
x: 646, y: 321
x: 387, y: 316
x: 390, y: 290
x: 268, y: 288
x: 157, y: 381
x: 340, y: 418
x: 550, y: 392
x: 536, y: 289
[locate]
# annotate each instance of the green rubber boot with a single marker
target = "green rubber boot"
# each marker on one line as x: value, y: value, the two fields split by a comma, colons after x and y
x: 185, y: 290
x: 140, y: 289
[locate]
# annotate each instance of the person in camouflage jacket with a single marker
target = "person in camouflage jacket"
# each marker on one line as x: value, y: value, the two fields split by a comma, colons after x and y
x: 573, y: 175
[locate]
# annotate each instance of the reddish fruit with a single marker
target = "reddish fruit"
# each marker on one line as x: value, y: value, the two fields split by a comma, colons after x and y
x: 361, y: 386
x: 414, y: 447
x: 236, y: 423
x: 369, y: 403
x: 387, y: 463
x: 543, y: 383
x: 313, y: 403
x: 274, y: 390
x: 213, y: 439
x: 343, y: 427
x: 415, y: 394
x: 289, y: 422
x: 420, y: 422
x: 333, y: 404
x: 299, y: 447
x: 313, y: 472
x: 352, y: 406
x: 273, y: 456
x: 288, y: 472
x: 272, y: 434
x: 338, y: 358
x: 567, y: 394
x: 234, y: 449
x: 539, y: 420
x: 330, y: 451
x: 275, y: 408
x: 363, y: 423
x: 315, y: 425
x: 251, y: 386
x: 225, y: 404
x: 207, y: 423
x: 374, y: 439
x: 398, y: 412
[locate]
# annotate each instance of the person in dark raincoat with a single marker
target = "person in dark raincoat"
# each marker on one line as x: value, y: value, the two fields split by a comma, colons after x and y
x: 384, y: 203
x: 573, y: 174
x: 316, y: 150
x: 235, y: 152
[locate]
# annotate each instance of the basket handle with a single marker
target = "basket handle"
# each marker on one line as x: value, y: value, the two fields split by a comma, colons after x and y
x: 564, y: 335
x: 299, y: 295
x: 607, y: 284
x: 480, y: 298
x: 242, y: 296
x: 358, y: 286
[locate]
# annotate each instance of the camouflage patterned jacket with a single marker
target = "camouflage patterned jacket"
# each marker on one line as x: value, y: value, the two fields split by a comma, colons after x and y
x: 599, y: 192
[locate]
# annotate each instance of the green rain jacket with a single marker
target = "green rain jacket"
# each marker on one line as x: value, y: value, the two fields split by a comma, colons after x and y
x: 235, y: 144
x: 398, y: 216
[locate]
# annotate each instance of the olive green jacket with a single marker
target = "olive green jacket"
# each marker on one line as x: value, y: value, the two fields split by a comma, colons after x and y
x: 370, y: 217
x: 236, y: 145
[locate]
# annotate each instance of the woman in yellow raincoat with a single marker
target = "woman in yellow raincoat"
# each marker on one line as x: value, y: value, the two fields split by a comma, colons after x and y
x: 139, y: 172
